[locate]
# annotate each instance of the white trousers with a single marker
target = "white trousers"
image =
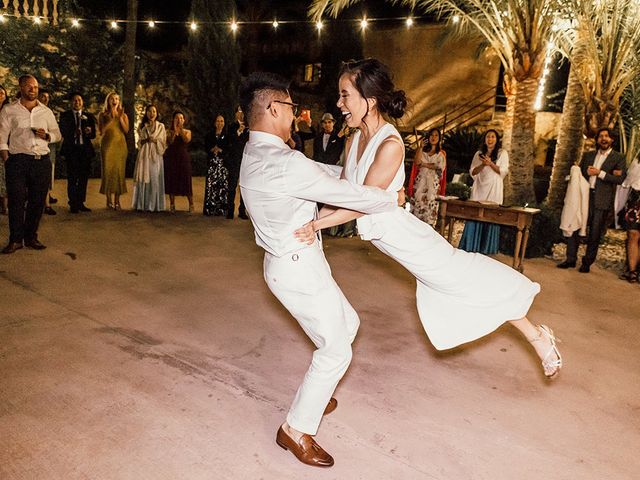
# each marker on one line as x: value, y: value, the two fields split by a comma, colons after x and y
x: 303, y: 283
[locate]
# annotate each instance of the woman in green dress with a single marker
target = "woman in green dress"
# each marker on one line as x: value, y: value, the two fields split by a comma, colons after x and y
x: 114, y: 125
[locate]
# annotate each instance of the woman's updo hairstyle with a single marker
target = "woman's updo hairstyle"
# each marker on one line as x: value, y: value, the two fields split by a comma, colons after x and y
x: 372, y: 80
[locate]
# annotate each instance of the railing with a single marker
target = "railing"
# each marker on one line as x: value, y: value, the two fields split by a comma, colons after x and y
x: 459, y: 116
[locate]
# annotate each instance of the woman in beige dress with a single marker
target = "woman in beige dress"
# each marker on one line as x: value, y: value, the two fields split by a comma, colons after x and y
x: 114, y: 125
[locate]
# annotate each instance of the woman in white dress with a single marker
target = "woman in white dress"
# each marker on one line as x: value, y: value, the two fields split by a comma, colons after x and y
x: 461, y: 296
x: 431, y: 164
x: 488, y: 168
x: 148, y: 175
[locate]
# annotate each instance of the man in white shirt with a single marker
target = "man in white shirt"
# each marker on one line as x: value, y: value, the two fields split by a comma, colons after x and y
x: 604, y: 169
x: 26, y: 129
x: 280, y: 187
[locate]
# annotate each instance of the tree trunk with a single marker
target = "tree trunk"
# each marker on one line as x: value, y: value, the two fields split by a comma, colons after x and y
x: 129, y: 87
x: 570, y: 140
x: 520, y: 127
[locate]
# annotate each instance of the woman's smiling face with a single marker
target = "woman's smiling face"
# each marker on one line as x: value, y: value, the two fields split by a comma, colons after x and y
x: 352, y: 105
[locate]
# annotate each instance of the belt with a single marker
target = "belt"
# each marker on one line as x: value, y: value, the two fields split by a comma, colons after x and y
x: 34, y: 156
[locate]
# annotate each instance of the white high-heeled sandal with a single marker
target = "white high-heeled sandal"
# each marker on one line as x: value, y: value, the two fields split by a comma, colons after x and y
x: 551, y: 366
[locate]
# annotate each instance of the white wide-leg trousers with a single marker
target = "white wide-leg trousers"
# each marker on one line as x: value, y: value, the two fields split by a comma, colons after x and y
x: 303, y: 283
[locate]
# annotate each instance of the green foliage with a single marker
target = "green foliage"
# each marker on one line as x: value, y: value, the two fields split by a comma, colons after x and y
x: 543, y: 234
x: 213, y: 69
x: 460, y: 190
x: 461, y: 145
x: 62, y: 59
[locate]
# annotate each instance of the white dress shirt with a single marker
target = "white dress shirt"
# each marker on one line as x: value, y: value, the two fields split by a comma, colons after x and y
x: 281, y: 186
x: 16, y: 123
x: 489, y: 185
x: 325, y: 141
x: 597, y: 162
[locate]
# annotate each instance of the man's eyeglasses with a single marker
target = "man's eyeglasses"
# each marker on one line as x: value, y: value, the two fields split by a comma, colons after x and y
x: 294, y: 106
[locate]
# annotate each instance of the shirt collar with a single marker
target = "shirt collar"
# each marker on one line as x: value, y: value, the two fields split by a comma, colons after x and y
x: 258, y: 136
x: 606, y: 152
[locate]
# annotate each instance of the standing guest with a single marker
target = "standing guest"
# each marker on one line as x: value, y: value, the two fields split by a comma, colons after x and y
x: 216, y: 185
x: 488, y: 168
x: 328, y: 145
x: 630, y: 216
x: 238, y: 136
x: 114, y: 125
x: 26, y: 129
x: 177, y: 162
x: 430, y: 166
x: 4, y: 209
x: 148, y: 175
x: 604, y: 169
x: 295, y: 140
x: 78, y: 130
x: 44, y: 98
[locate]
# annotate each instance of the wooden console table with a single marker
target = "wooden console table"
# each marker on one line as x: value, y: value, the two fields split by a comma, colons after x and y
x: 519, y: 217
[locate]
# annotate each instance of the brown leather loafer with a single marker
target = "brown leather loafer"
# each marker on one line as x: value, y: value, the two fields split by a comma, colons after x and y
x: 12, y: 247
x: 331, y: 406
x: 306, y: 450
x: 35, y: 244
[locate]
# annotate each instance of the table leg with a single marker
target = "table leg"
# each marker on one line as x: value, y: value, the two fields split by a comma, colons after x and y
x: 516, y: 250
x: 524, y: 249
x: 450, y: 233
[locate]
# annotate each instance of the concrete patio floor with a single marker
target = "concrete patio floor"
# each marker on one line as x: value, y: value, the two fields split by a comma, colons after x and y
x: 147, y: 346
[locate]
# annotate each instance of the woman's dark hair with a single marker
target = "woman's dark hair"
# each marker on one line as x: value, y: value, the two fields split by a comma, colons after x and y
x: 6, y: 97
x: 145, y: 120
x: 484, y: 149
x: 224, y: 127
x: 372, y: 79
x: 176, y: 113
x: 428, y: 135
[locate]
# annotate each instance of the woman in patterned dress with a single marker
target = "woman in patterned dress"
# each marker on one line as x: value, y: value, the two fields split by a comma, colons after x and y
x: 431, y: 164
x: 216, y: 187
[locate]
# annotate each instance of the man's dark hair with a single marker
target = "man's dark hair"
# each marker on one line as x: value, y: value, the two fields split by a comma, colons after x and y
x: 257, y: 85
x: 73, y: 94
x: 609, y: 131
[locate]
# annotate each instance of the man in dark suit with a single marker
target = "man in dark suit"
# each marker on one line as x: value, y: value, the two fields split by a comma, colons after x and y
x: 78, y: 128
x: 238, y: 136
x: 604, y: 169
x: 328, y: 145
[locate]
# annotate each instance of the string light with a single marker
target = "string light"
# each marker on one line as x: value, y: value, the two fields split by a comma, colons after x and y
x: 456, y: 18
x: 543, y: 79
x: 233, y: 24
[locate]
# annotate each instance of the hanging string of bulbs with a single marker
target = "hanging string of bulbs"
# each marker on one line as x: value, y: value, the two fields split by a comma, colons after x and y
x: 233, y: 24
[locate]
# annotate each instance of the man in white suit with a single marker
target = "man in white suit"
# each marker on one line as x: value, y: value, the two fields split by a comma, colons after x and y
x: 280, y: 187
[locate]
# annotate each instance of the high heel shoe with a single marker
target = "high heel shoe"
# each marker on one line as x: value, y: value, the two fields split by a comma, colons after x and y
x: 190, y: 208
x: 116, y: 206
x: 550, y: 365
x: 109, y: 205
x: 172, y: 209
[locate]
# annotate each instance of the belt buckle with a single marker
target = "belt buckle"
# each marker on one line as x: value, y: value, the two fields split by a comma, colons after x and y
x: 37, y: 157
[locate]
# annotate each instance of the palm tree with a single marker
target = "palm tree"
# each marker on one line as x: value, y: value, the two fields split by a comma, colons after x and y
x: 518, y: 31
x: 603, y: 46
